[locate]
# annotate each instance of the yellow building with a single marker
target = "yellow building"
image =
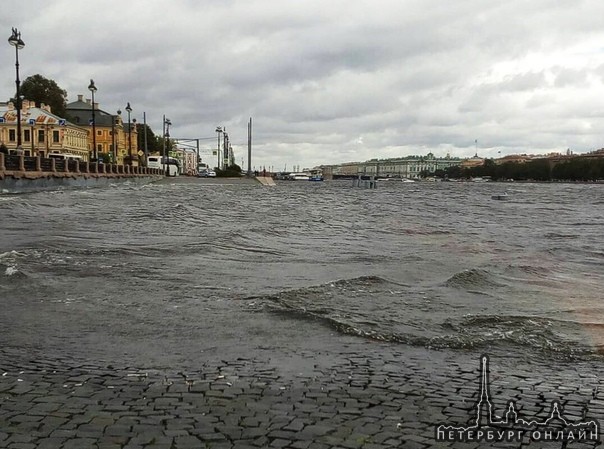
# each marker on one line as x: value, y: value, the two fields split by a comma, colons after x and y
x: 42, y: 132
x: 474, y: 161
x: 111, y: 132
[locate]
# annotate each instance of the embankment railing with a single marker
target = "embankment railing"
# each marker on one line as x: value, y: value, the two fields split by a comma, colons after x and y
x: 20, y: 164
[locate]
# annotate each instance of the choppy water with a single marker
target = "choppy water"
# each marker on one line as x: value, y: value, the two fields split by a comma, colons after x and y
x: 440, y: 265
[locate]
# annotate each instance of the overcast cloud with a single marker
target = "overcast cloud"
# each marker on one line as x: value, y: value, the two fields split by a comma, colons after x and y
x: 331, y: 81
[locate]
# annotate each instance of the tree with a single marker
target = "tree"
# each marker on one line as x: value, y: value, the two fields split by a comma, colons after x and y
x: 153, y: 142
x: 42, y: 90
x: 229, y: 172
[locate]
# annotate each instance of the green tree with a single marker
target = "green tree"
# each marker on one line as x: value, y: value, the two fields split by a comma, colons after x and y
x: 453, y: 172
x: 153, y: 142
x: 42, y: 90
x: 229, y: 172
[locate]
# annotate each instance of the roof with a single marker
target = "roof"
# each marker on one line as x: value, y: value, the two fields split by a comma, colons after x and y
x: 81, y: 113
x: 41, y: 116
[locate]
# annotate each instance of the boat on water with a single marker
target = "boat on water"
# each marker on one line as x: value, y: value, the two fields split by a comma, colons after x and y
x: 299, y: 177
x: 501, y: 197
x: 310, y: 175
x: 315, y: 175
x: 407, y: 180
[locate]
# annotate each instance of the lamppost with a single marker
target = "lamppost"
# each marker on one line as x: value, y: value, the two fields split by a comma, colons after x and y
x: 92, y: 89
x: 129, y: 110
x: 218, y: 130
x: 16, y: 41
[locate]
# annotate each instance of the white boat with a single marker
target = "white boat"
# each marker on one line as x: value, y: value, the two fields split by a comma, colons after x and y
x: 299, y: 176
x: 316, y: 175
x: 407, y: 180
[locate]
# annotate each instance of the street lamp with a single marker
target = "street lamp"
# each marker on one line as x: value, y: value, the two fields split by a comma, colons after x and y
x: 129, y: 110
x: 218, y: 130
x: 92, y: 89
x: 16, y: 41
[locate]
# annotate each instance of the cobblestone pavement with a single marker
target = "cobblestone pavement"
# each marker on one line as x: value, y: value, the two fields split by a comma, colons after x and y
x: 369, y: 395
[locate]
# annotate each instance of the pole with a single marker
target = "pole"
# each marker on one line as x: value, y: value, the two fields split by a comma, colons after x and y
x: 145, y: 136
x: 94, y: 155
x: 197, y: 161
x: 114, y: 153
x: 18, y: 83
x: 167, y: 124
x: 163, y: 133
x: 249, y: 148
x: 92, y: 89
x: 129, y: 109
x: 218, y: 131
x: 16, y: 41
x: 225, y: 148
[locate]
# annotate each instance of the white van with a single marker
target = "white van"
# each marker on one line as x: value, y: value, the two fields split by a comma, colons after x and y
x: 158, y: 162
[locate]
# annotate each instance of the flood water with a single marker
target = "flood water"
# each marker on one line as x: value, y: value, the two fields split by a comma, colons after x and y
x: 175, y: 268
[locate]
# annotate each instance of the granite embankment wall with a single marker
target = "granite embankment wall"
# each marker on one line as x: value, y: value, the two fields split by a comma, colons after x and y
x: 20, y: 173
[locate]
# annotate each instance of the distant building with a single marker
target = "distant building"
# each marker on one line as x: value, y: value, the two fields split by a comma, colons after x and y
x: 405, y: 167
x: 516, y: 158
x: 42, y: 132
x: 474, y: 161
x: 111, y: 132
x: 188, y: 160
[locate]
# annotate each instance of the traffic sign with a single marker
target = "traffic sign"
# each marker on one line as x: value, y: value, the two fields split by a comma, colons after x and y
x: 32, y: 121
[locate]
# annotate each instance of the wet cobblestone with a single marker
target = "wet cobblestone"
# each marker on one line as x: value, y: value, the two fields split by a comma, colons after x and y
x: 388, y: 398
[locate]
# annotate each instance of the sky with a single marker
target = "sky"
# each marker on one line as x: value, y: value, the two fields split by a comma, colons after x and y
x: 330, y: 81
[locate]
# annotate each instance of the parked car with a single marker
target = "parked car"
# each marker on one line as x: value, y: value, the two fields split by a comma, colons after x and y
x: 207, y: 174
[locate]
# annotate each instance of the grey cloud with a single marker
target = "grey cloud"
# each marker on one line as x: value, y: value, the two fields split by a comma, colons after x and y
x: 332, y: 81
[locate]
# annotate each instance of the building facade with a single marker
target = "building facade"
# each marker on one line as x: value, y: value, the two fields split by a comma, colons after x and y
x: 115, y: 140
x: 405, y: 167
x: 42, y: 132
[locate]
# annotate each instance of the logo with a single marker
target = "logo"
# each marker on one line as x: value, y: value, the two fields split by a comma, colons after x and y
x: 511, y: 427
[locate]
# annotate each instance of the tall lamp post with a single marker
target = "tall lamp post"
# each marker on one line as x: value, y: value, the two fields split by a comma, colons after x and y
x: 92, y: 89
x: 16, y: 41
x: 129, y: 110
x: 218, y: 130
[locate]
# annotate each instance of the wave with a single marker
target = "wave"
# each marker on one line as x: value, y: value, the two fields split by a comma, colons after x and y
x: 12, y: 272
x: 472, y: 279
x: 378, y: 309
